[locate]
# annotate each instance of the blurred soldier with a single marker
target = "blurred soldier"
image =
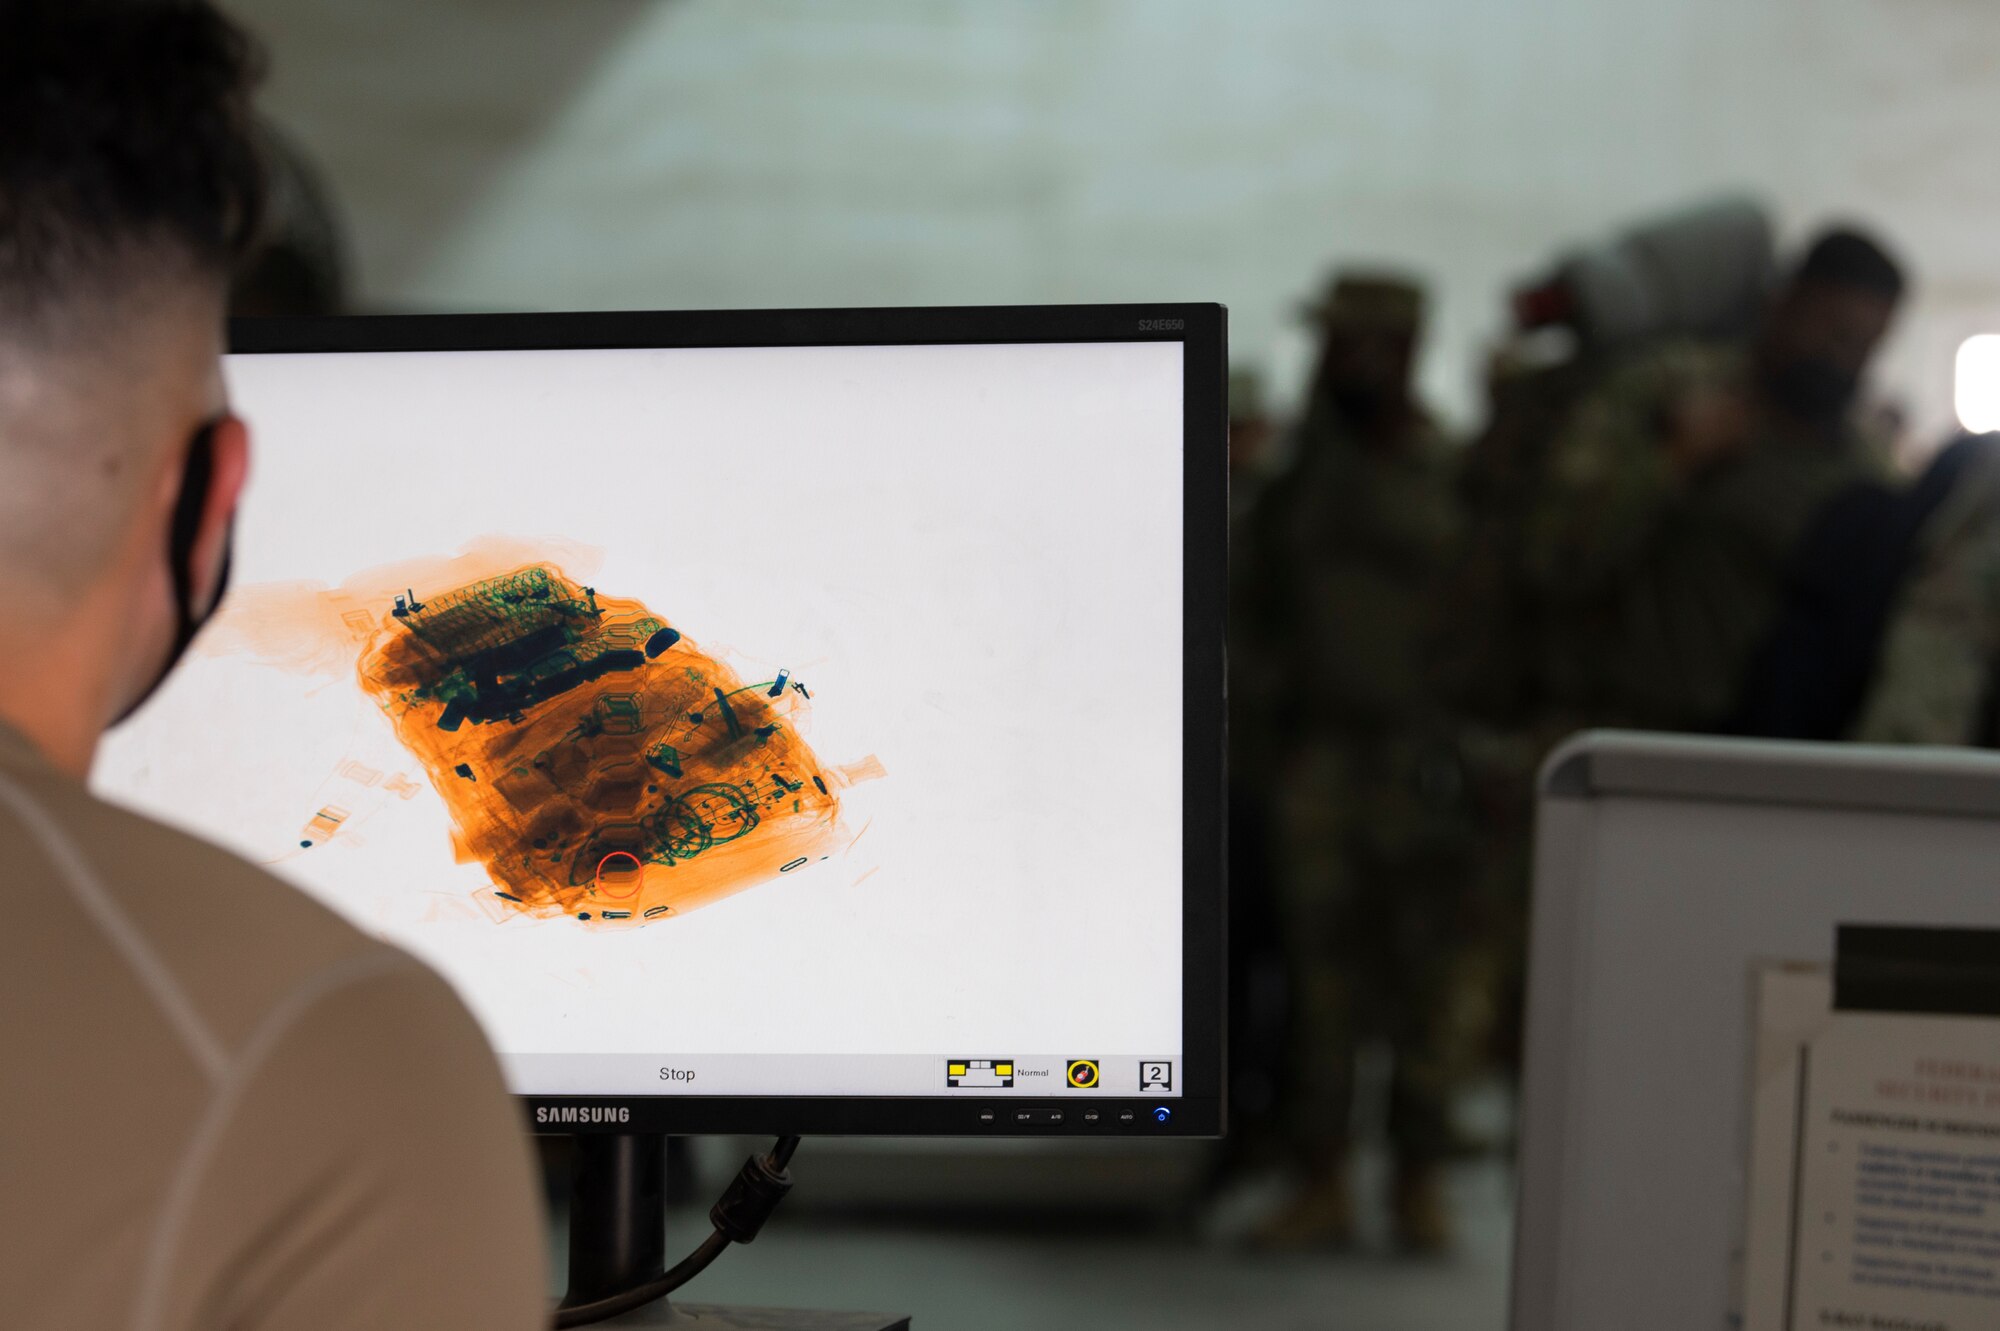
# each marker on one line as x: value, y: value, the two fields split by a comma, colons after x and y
x: 297, y: 266
x: 1937, y: 677
x: 1700, y: 271
x: 1252, y: 432
x: 1341, y: 563
x: 1704, y: 271
x: 1257, y: 969
x: 1677, y: 493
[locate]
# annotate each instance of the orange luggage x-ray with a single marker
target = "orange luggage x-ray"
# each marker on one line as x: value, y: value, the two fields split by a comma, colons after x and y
x: 592, y: 757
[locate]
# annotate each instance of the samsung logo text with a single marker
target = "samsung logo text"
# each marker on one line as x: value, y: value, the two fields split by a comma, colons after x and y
x: 572, y: 1114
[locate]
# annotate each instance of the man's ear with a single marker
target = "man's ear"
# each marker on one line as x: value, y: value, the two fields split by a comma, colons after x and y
x: 229, y: 470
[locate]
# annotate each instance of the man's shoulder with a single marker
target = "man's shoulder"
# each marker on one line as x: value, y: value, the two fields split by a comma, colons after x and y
x: 236, y: 938
x: 356, y: 1146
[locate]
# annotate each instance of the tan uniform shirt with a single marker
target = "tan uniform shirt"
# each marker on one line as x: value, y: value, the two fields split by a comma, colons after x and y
x: 223, y: 1107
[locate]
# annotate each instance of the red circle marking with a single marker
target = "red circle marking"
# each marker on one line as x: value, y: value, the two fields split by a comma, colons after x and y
x: 636, y: 870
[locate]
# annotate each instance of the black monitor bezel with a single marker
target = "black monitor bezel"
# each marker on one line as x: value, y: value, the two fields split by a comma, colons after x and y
x: 1201, y: 329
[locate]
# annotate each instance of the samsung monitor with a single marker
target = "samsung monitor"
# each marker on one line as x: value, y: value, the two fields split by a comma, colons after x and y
x: 767, y: 721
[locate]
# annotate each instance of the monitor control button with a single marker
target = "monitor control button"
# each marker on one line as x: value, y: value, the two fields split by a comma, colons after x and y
x: 1162, y: 1114
x: 1054, y: 1116
x: 1127, y: 1116
x: 1024, y: 1116
x: 989, y: 1116
x: 1091, y: 1116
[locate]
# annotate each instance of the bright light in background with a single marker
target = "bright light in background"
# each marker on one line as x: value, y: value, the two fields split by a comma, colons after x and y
x: 1977, y: 390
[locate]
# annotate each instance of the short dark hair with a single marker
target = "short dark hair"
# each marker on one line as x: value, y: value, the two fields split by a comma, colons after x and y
x: 1845, y: 257
x: 125, y: 133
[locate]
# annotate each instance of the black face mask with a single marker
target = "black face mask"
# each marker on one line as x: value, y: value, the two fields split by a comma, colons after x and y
x: 181, y: 535
x: 1814, y: 389
x: 1362, y: 405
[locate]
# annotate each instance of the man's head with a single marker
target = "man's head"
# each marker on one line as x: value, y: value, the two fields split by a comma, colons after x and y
x: 1369, y: 325
x: 1824, y: 325
x: 129, y: 187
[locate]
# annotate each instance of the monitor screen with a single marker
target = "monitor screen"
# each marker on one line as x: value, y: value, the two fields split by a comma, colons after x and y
x: 776, y: 723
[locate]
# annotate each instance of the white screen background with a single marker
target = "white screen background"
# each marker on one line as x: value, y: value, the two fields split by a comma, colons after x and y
x: 971, y: 555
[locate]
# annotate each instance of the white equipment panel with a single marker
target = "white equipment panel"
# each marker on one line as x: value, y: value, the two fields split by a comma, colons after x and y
x: 1665, y: 868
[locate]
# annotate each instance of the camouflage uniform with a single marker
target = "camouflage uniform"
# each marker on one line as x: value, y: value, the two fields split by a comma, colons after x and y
x: 1657, y: 590
x: 1934, y: 681
x: 1343, y: 562
x: 1493, y: 676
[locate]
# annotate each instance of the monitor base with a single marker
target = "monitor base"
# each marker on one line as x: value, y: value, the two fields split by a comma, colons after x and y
x: 713, y: 1317
x: 617, y: 1242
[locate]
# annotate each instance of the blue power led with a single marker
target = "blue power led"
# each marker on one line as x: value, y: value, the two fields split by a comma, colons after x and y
x: 1162, y: 1114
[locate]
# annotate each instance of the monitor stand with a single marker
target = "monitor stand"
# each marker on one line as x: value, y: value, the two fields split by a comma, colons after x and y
x: 618, y: 1241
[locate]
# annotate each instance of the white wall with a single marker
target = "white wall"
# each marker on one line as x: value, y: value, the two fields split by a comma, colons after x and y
x: 518, y: 154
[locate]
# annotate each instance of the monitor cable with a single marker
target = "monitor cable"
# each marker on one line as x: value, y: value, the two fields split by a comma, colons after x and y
x: 742, y: 1210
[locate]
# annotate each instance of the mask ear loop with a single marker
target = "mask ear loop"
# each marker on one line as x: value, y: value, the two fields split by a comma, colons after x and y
x: 185, y: 529
x: 182, y: 532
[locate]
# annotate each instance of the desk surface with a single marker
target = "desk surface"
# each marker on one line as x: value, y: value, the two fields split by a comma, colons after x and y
x: 713, y: 1317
